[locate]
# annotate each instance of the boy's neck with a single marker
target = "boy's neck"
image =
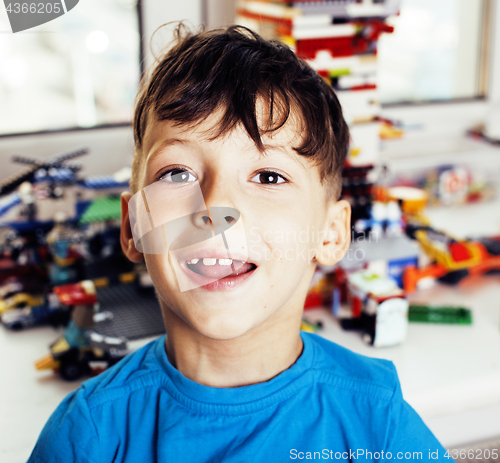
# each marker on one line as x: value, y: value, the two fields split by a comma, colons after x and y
x: 257, y: 356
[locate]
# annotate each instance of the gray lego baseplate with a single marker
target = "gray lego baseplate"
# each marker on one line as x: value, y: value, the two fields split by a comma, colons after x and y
x: 136, y: 314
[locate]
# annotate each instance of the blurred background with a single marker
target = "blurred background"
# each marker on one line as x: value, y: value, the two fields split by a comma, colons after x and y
x: 419, y: 82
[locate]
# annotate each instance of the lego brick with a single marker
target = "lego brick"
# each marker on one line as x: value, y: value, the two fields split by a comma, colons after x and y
x: 103, y: 182
x: 136, y: 314
x: 388, y: 248
x: 9, y: 202
x: 433, y: 314
x: 102, y: 209
x: 360, y: 64
x: 349, y: 9
x: 337, y: 46
x: 332, y: 30
x: 351, y: 81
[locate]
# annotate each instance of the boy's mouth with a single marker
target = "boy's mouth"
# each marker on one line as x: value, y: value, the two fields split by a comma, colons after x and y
x: 219, y: 268
x: 213, y: 269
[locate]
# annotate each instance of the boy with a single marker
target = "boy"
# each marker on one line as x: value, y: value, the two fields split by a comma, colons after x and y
x: 236, y: 175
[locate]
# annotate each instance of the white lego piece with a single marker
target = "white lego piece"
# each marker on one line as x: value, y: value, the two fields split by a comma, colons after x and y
x: 365, y: 144
x: 333, y: 30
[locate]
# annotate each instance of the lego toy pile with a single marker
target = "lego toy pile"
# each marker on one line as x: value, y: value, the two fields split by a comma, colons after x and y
x: 61, y: 264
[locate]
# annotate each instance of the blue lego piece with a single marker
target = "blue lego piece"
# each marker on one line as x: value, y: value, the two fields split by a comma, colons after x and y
x: 7, y: 203
x: 59, y: 174
x: 81, y: 207
x: 396, y: 268
x: 336, y: 302
x: 27, y: 226
x: 103, y: 182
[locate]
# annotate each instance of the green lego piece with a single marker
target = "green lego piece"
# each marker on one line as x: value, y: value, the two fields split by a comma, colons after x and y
x: 338, y: 72
x: 102, y: 209
x: 441, y: 314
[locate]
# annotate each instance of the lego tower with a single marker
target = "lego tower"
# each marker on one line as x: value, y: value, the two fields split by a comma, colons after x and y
x: 338, y: 38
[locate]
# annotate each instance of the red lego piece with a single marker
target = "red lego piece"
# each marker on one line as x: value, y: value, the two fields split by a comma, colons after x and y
x: 313, y: 300
x: 459, y: 252
x: 373, y: 28
x: 75, y: 294
x: 360, y: 43
x: 356, y: 306
x: 337, y: 46
x: 363, y: 87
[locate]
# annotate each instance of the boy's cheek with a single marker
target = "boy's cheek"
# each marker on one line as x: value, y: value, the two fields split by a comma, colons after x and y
x: 161, y: 273
x: 287, y: 240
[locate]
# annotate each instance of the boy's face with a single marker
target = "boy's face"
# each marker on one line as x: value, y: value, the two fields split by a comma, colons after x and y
x: 284, y: 218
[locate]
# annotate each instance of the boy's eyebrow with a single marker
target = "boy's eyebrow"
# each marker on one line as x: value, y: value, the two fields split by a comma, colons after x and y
x: 186, y: 142
x: 284, y: 150
x: 169, y: 142
x: 267, y: 148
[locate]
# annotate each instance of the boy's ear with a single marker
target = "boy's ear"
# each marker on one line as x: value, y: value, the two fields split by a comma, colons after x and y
x: 337, y: 236
x: 126, y: 238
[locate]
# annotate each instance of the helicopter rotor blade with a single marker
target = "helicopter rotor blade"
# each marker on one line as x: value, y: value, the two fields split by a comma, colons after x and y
x: 52, y: 162
x: 58, y: 160
x: 12, y: 182
x: 25, y: 160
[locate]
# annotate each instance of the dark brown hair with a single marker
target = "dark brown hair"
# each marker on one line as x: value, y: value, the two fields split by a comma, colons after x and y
x: 230, y: 68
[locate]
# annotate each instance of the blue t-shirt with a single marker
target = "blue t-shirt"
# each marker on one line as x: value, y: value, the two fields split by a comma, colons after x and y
x: 331, y: 404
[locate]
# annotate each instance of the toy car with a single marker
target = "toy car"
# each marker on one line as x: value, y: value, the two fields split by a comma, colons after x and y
x: 20, y: 300
x: 74, y: 362
x: 93, y: 340
x: 10, y: 287
x: 453, y: 260
x: 51, y: 312
x: 380, y: 309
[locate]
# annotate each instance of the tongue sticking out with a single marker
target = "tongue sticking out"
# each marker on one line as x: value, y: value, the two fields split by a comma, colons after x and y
x: 221, y: 271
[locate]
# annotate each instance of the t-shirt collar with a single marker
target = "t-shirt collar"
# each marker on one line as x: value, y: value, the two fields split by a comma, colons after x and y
x: 237, y: 399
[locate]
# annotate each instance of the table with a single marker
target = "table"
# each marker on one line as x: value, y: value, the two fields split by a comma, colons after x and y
x: 27, y: 397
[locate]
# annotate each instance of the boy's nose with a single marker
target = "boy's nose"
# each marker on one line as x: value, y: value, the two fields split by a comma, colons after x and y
x: 218, y: 218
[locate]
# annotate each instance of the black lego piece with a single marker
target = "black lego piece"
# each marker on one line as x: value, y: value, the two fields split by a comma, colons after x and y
x: 136, y: 315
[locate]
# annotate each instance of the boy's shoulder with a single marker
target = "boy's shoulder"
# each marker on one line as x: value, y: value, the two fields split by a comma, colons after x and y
x: 73, y: 433
x: 341, y: 367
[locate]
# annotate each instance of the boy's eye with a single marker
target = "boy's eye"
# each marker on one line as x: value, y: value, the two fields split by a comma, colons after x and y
x: 178, y: 175
x: 268, y: 177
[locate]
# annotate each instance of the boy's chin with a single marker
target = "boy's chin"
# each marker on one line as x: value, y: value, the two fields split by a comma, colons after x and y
x: 224, y: 329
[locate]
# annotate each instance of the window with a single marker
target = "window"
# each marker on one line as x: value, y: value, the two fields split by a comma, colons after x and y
x: 435, y: 52
x: 78, y: 71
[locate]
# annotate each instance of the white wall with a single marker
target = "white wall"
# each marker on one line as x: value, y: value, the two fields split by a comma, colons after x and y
x: 219, y: 13
x: 445, y: 123
x: 110, y: 148
x: 156, y: 13
x: 495, y: 65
